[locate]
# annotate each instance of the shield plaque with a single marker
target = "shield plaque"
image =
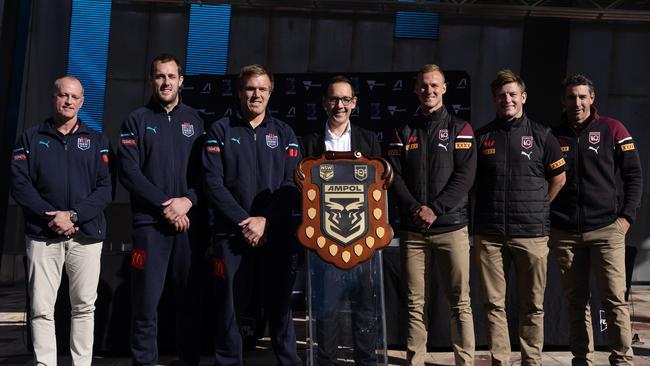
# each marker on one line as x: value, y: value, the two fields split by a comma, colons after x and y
x: 344, y: 207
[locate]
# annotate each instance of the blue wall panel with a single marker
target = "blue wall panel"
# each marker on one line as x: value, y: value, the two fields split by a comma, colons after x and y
x: 88, y: 55
x: 207, y: 40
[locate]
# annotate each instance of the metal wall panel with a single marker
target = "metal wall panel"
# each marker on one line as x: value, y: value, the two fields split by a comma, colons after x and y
x: 372, y: 45
x: 411, y: 54
x: 501, y: 47
x: 249, y: 39
x: 288, y: 40
x: 331, y: 44
x: 46, y: 59
x: 590, y: 50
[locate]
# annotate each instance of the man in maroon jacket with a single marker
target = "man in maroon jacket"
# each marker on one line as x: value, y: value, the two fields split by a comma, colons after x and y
x: 588, y: 223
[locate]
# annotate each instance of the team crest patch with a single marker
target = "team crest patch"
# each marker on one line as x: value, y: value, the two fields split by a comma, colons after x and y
x: 272, y: 140
x: 526, y: 142
x: 326, y: 171
x: 83, y: 143
x: 443, y: 135
x: 137, y: 258
x: 187, y: 129
x: 594, y: 137
x: 360, y: 172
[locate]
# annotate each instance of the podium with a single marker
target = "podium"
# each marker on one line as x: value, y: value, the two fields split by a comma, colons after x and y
x: 344, y: 224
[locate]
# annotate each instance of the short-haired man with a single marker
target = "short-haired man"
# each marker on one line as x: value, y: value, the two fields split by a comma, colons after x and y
x: 248, y: 160
x: 434, y: 160
x: 520, y: 171
x: 60, y: 178
x: 589, y: 222
x: 159, y: 164
x: 354, y: 286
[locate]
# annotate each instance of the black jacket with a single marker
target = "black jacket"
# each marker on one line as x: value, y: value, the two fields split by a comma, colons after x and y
x: 159, y: 158
x: 434, y: 161
x: 55, y: 172
x: 515, y: 161
x: 596, y: 154
x: 361, y: 139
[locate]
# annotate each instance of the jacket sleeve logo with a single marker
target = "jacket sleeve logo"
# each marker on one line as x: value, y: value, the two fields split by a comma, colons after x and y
x: 594, y: 137
x: 187, y: 129
x: 527, y: 142
x: 344, y: 214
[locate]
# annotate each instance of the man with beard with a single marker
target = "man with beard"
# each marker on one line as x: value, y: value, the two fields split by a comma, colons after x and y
x: 336, y: 287
x: 60, y: 178
x: 589, y: 223
x: 248, y: 161
x: 159, y: 164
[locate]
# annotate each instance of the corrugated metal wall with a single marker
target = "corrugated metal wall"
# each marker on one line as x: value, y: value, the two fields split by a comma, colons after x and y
x: 614, y: 55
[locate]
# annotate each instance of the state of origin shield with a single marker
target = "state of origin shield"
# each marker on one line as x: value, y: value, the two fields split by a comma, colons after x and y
x: 344, y: 206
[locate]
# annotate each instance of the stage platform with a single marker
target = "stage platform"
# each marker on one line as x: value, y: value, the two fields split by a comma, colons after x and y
x: 13, y: 339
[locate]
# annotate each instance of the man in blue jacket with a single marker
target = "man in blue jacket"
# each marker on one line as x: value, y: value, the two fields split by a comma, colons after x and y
x: 160, y: 166
x: 60, y: 178
x: 248, y: 162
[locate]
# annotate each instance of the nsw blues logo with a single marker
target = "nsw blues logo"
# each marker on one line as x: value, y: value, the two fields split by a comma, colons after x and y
x: 187, y: 129
x: 83, y: 143
x: 272, y: 140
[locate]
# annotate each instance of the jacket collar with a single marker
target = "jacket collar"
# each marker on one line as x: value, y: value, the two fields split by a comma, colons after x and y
x: 48, y: 128
x: 593, y: 115
x: 158, y: 108
x: 516, y: 123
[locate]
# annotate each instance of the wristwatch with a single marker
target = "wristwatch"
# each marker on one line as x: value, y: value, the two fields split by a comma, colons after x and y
x: 73, y: 216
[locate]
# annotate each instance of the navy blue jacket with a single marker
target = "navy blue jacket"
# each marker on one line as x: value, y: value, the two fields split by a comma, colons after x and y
x: 159, y: 158
x: 249, y: 172
x: 55, y: 172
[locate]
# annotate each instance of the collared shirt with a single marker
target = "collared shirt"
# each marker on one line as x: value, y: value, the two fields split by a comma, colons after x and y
x: 336, y: 143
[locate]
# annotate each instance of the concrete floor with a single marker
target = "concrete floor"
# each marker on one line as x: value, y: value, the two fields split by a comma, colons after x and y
x: 13, y: 349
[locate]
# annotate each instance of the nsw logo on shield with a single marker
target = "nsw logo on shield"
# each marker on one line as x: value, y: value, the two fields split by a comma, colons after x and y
x: 526, y: 142
x: 83, y: 143
x: 187, y: 129
x: 594, y: 137
x: 326, y: 171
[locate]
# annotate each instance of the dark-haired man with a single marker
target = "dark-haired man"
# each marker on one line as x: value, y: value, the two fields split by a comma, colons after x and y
x: 248, y: 163
x: 60, y: 178
x: 520, y: 171
x: 336, y: 288
x: 159, y: 164
x: 434, y: 159
x: 588, y: 221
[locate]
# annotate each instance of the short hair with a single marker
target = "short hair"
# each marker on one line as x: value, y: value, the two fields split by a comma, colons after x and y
x: 250, y: 71
x: 57, y: 84
x: 506, y: 77
x: 335, y: 80
x: 577, y: 80
x: 163, y: 58
x: 427, y: 68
